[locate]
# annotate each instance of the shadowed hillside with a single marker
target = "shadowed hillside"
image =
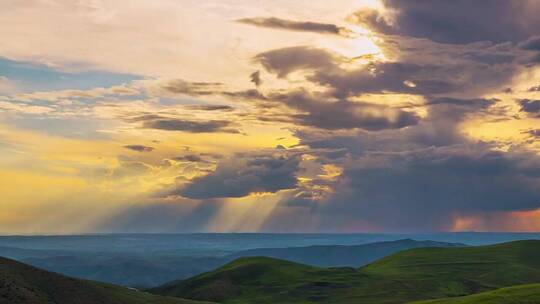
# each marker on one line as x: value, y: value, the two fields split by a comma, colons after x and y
x: 416, y: 274
x: 20, y: 283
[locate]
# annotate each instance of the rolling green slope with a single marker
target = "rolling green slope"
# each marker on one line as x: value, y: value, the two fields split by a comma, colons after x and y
x: 20, y: 283
x: 260, y: 280
x: 444, y: 272
x: 523, y: 294
x: 340, y: 255
x: 416, y: 274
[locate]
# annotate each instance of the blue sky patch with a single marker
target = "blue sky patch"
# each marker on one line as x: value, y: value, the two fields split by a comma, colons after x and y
x: 31, y: 77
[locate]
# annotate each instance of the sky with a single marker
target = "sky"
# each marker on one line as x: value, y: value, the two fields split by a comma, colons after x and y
x: 275, y: 116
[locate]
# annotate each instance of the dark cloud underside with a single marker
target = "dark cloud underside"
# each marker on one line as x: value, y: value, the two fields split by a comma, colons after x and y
x: 302, y: 26
x: 334, y: 115
x: 240, y: 177
x: 152, y: 121
x: 531, y: 107
x: 139, y: 148
x: 224, y: 108
x: 287, y: 60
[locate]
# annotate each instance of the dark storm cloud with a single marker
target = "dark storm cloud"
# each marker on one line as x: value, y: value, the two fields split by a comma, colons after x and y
x: 343, y: 114
x: 532, y: 107
x: 422, y: 177
x: 303, y: 26
x: 479, y: 70
x: 243, y: 175
x: 457, y: 21
x: 403, y: 172
x: 425, y: 189
x: 139, y: 148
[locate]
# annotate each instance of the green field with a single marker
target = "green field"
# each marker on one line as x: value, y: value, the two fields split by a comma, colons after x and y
x: 411, y: 275
x: 523, y: 294
x: 20, y: 283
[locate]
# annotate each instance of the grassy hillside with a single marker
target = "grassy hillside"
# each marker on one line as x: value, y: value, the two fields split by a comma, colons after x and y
x: 439, y: 272
x: 523, y: 294
x: 20, y: 283
x: 256, y: 280
x: 340, y: 255
x: 416, y: 274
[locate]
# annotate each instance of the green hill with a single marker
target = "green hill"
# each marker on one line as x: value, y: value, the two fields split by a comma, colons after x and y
x: 416, y: 274
x: 523, y: 294
x: 255, y: 280
x: 340, y: 255
x: 20, y: 283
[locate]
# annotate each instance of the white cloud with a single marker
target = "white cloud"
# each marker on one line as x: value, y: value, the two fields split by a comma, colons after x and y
x: 188, y: 39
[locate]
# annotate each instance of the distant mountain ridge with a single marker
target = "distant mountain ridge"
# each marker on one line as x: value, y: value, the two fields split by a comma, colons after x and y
x: 340, y: 255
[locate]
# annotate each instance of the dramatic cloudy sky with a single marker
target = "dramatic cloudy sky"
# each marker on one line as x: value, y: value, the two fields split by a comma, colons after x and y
x: 288, y: 116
